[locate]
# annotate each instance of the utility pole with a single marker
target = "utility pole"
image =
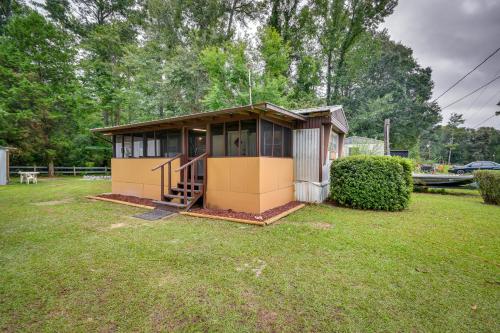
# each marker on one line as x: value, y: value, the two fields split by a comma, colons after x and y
x: 250, y: 84
x: 449, y: 152
x: 387, y: 126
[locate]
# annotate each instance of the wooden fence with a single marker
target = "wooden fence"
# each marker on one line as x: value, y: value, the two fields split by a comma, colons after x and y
x: 74, y: 170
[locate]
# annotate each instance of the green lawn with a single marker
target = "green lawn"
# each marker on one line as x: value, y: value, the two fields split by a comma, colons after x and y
x: 71, y: 264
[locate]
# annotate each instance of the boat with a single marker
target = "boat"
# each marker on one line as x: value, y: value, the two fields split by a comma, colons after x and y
x: 441, y: 180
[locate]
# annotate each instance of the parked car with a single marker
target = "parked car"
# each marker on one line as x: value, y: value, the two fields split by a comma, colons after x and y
x: 471, y: 167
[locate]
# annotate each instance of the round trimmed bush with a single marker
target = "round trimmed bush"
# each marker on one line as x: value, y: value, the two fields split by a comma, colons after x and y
x: 489, y: 185
x: 372, y: 182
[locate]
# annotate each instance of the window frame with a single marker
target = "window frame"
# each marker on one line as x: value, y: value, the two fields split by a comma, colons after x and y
x: 224, y: 134
x: 146, y: 135
x: 282, y: 126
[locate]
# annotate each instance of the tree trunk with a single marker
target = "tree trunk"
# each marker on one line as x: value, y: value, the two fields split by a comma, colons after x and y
x: 161, y: 109
x: 451, y: 144
x: 329, y: 77
x: 50, y: 170
x: 274, y: 19
x: 105, y: 115
x: 231, y: 15
x: 338, y: 75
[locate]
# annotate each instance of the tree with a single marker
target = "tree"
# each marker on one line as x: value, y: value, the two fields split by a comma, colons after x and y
x: 37, y: 89
x: 5, y: 13
x: 453, y: 123
x: 341, y: 23
x: 241, y: 11
x: 383, y: 80
x: 228, y: 68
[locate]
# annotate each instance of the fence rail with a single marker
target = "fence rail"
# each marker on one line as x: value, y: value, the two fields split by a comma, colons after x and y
x: 74, y: 170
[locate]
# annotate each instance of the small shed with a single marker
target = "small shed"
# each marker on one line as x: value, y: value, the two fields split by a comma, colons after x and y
x: 358, y: 145
x: 4, y: 165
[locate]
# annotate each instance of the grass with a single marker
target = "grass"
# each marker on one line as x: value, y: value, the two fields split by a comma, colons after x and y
x: 71, y: 264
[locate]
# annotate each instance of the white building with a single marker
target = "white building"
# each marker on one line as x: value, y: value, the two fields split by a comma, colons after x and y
x: 358, y: 145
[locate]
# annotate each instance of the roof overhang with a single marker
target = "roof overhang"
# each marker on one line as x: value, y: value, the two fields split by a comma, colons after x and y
x: 336, y: 113
x: 266, y: 109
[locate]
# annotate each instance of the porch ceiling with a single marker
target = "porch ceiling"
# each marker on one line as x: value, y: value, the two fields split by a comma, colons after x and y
x: 203, y: 118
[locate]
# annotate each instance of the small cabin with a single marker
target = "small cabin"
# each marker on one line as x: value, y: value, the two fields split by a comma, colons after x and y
x: 249, y: 158
x: 4, y: 165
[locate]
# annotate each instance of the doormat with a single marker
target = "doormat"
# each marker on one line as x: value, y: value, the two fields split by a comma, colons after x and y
x: 154, y: 215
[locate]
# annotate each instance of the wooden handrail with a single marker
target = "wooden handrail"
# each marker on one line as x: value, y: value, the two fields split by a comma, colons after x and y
x: 191, y: 162
x: 188, y: 174
x: 168, y: 161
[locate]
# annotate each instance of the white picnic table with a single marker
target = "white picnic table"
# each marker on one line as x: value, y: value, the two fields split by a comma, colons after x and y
x: 29, y: 176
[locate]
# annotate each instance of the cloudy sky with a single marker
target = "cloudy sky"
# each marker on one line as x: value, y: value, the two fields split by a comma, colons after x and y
x: 452, y: 37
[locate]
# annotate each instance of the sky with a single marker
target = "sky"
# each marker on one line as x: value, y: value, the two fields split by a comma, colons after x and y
x: 452, y: 37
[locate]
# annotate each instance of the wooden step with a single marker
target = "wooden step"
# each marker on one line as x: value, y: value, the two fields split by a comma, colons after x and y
x: 180, y: 189
x: 169, y: 204
x: 179, y: 196
x: 181, y: 185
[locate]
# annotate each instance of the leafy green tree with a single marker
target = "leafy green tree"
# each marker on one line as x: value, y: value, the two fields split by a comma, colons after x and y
x: 230, y: 72
x: 227, y: 72
x: 392, y: 85
x: 5, y: 12
x: 37, y: 89
x: 342, y: 22
x: 241, y: 11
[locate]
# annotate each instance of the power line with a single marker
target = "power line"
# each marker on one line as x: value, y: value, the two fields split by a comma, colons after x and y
x: 471, y: 93
x: 463, y: 77
x: 484, y: 121
x: 487, y: 102
x: 481, y: 94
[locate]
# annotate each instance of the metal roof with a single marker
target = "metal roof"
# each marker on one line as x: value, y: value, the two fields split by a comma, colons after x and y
x: 257, y: 108
x: 338, y: 118
x: 327, y: 108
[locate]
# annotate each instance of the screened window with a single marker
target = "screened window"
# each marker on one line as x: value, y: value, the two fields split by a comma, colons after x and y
x: 170, y: 142
x: 127, y: 146
x: 287, y: 142
x: 278, y: 141
x: 196, y: 142
x: 217, y: 133
x: 150, y: 144
x: 173, y: 144
x: 233, y: 138
x: 266, y: 148
x: 118, y: 151
x: 138, y: 145
x: 275, y: 140
x: 248, y: 139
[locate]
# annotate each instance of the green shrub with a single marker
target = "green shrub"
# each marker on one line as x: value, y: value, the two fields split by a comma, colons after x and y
x: 372, y: 182
x: 489, y: 185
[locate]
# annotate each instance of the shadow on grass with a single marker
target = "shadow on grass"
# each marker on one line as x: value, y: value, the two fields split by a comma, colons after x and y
x: 460, y: 192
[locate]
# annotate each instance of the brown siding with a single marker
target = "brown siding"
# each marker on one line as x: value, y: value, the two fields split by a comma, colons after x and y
x: 313, y: 122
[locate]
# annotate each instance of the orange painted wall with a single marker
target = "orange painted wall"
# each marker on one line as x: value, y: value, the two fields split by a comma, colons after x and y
x: 249, y: 184
x: 133, y: 176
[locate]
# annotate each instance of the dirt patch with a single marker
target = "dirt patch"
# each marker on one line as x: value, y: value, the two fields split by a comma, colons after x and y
x: 257, y: 267
x: 266, y: 320
x: 320, y: 225
x: 258, y: 270
x: 247, y: 216
x: 128, y: 198
x: 117, y: 225
x: 52, y: 203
